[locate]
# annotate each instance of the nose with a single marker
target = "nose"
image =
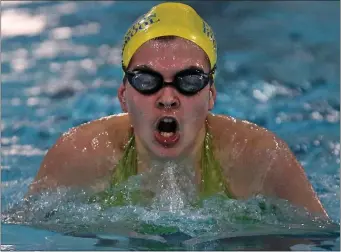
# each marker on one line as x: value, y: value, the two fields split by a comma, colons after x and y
x: 168, y: 99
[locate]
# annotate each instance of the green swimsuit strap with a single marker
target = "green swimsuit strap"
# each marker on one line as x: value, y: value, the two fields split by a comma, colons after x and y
x: 127, y: 166
x: 211, y: 171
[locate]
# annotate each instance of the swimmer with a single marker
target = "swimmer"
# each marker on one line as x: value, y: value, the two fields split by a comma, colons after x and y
x: 169, y: 60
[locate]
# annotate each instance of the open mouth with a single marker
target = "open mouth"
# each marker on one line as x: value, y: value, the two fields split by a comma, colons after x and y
x: 167, y: 126
x: 167, y: 131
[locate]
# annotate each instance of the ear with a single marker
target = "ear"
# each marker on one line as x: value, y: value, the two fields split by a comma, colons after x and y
x: 121, y: 92
x: 212, y: 97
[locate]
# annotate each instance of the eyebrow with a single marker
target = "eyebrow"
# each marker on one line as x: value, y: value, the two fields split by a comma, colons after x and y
x: 148, y: 68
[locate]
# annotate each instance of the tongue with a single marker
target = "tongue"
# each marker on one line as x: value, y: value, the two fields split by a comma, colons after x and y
x: 166, y: 139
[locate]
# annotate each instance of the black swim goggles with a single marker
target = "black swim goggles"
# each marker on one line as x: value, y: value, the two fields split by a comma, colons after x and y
x: 187, y: 82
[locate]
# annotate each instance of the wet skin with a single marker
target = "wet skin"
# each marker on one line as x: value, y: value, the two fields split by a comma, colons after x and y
x: 254, y: 160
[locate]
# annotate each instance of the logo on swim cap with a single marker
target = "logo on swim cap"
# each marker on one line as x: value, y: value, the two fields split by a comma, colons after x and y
x: 207, y: 30
x: 140, y: 25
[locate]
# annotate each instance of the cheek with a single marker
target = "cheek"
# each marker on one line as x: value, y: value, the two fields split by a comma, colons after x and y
x: 138, y: 105
x: 196, y: 108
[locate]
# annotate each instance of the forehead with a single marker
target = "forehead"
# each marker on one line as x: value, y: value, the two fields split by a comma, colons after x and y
x: 170, y: 53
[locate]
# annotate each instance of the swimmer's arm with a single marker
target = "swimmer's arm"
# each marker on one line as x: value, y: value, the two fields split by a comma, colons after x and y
x: 285, y: 178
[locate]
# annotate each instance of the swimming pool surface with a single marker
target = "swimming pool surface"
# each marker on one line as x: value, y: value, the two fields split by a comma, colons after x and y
x: 278, y: 66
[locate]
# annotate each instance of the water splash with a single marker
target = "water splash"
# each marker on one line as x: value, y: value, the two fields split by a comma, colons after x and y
x: 68, y: 211
x: 175, y: 187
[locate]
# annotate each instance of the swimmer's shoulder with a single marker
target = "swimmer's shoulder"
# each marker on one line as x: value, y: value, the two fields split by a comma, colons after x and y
x: 106, y: 133
x: 229, y: 130
x: 85, y: 153
x: 233, y: 135
x: 245, y: 151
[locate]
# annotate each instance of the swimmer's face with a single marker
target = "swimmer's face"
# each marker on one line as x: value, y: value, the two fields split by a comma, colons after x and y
x: 168, y: 57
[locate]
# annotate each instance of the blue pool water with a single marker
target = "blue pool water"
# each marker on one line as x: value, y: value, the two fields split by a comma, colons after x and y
x: 278, y: 66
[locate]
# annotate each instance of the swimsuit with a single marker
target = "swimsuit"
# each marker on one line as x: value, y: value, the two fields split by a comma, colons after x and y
x: 211, y: 177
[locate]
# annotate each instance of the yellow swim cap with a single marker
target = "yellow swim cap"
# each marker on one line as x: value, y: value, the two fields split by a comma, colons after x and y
x: 170, y: 19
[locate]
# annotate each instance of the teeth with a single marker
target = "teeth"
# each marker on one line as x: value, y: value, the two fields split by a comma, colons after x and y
x: 167, y: 134
x: 167, y: 120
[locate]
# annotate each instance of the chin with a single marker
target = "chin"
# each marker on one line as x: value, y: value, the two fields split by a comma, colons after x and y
x: 165, y: 153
